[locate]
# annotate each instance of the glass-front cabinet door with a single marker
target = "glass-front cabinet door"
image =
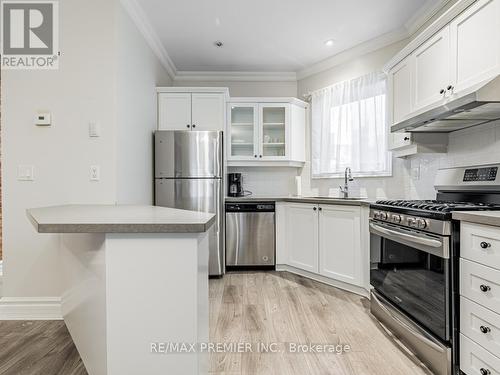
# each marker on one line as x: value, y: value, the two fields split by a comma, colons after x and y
x: 243, y: 131
x: 273, y: 139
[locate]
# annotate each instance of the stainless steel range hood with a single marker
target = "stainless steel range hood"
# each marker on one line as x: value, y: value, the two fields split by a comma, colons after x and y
x: 476, y: 106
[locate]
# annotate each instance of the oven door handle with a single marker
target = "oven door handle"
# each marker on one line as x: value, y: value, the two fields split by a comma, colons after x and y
x: 430, y: 245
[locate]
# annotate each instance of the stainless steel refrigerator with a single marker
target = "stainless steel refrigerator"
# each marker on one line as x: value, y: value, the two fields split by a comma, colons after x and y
x: 189, y: 175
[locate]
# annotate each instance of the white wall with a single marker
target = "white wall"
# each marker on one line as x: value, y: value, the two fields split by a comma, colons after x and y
x: 244, y: 88
x: 371, y: 187
x: 139, y: 72
x: 84, y: 89
x: 267, y: 181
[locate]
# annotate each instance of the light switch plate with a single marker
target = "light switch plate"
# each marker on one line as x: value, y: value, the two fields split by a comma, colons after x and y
x: 43, y: 119
x: 26, y: 173
x: 94, y: 130
x: 95, y: 173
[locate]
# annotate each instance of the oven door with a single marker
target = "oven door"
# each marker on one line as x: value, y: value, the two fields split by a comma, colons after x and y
x: 411, y: 269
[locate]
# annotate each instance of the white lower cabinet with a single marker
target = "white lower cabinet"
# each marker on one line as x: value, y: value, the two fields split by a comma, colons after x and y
x: 324, y: 240
x: 302, y: 236
x: 340, y: 243
x: 479, y: 299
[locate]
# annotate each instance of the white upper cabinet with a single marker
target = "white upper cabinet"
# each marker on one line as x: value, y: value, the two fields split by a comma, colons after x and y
x: 431, y: 63
x: 400, y: 88
x: 266, y: 131
x: 340, y: 255
x: 174, y: 111
x: 208, y: 111
x: 400, y: 101
x: 475, y: 44
x: 191, y: 108
x: 302, y: 236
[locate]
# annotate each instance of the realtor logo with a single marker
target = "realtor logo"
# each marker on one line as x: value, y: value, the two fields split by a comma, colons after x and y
x: 29, y: 34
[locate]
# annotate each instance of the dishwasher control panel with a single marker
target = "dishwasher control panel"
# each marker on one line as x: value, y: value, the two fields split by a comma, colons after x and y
x: 250, y: 207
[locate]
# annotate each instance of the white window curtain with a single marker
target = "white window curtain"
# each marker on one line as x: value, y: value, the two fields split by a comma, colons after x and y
x: 349, y: 128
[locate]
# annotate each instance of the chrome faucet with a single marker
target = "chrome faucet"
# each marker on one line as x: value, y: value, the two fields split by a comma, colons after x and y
x: 347, y: 178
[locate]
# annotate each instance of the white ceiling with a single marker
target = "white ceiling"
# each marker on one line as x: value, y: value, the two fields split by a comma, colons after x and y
x: 272, y: 35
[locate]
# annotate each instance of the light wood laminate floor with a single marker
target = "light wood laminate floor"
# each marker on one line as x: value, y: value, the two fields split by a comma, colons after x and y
x: 38, y: 348
x: 285, y: 308
x: 253, y: 307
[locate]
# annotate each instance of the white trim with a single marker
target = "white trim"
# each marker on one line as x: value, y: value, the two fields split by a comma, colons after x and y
x: 354, y: 52
x: 1, y: 268
x: 265, y: 163
x: 325, y: 280
x: 424, y: 15
x: 30, y: 308
x: 140, y: 19
x: 213, y: 76
x: 198, y: 90
x: 291, y: 100
x: 427, y: 33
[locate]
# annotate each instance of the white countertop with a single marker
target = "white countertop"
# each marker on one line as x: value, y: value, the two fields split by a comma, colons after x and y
x: 303, y: 199
x: 118, y: 219
x: 479, y: 217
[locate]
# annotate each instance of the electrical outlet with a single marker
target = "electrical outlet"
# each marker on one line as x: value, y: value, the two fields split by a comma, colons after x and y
x: 95, y: 173
x: 415, y: 173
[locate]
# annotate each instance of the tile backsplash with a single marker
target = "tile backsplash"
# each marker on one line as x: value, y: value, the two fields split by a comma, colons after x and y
x: 267, y: 181
x: 473, y: 146
x: 412, y: 178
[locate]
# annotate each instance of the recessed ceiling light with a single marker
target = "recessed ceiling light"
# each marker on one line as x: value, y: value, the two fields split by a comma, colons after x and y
x: 218, y: 43
x: 329, y: 43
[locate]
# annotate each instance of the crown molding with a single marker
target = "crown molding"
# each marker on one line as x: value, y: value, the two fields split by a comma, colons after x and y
x: 356, y: 51
x: 424, y: 15
x: 412, y: 26
x: 140, y: 19
x: 429, y: 31
x: 211, y: 76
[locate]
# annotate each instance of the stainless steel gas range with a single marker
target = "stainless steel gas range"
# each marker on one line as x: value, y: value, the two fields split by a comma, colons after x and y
x: 414, y: 250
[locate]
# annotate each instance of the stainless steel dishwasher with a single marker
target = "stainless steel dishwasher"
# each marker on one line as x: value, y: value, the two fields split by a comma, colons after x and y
x: 250, y: 234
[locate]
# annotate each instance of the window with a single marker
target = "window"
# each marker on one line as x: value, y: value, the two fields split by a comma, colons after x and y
x: 349, y: 129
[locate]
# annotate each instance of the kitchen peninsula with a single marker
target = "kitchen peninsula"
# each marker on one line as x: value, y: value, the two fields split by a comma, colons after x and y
x: 133, y: 276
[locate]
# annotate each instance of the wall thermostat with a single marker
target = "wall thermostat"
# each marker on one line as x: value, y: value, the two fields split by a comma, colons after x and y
x: 43, y: 119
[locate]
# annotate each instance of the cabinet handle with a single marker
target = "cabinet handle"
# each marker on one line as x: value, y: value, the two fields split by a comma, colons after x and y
x: 450, y: 88
x: 321, y: 208
x: 188, y: 126
x: 406, y: 138
x: 485, y: 288
x: 260, y: 156
x: 484, y: 329
x: 485, y: 371
x: 255, y: 156
x: 442, y: 91
x: 315, y: 208
x: 194, y: 126
x: 485, y: 245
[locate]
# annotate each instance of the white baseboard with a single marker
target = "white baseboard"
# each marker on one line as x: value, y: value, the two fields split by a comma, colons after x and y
x: 27, y: 308
x: 325, y: 280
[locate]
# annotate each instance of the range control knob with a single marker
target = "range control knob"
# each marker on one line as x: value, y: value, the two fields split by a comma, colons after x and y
x: 383, y: 215
x: 396, y: 218
x: 376, y: 214
x: 421, y: 223
x: 411, y: 221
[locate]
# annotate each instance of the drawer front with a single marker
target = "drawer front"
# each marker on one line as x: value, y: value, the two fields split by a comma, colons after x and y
x: 480, y: 284
x: 480, y: 243
x: 474, y: 360
x: 480, y: 324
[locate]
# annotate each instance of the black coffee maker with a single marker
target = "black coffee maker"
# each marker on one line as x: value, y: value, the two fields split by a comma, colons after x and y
x: 235, y: 185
